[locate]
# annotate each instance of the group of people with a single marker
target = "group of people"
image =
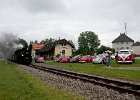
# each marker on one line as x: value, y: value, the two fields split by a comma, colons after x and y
x: 107, y: 58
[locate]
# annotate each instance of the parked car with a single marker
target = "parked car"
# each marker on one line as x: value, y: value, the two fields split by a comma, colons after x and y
x: 98, y: 59
x: 125, y: 56
x: 75, y: 58
x: 86, y: 59
x: 59, y: 59
x: 65, y: 59
x: 39, y: 59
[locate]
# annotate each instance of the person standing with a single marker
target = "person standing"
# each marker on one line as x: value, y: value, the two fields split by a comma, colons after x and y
x: 108, y: 58
x: 104, y: 58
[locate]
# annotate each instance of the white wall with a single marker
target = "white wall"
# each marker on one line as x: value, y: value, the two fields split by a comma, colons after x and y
x: 67, y: 48
x: 136, y: 49
x: 120, y: 45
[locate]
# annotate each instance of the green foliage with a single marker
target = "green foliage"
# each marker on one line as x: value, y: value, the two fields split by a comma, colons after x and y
x: 88, y: 42
x: 77, y: 52
x: 102, y: 49
x: 31, y: 42
x: 71, y: 42
x: 47, y: 41
x: 36, y: 41
x: 119, y: 71
x: 58, y: 55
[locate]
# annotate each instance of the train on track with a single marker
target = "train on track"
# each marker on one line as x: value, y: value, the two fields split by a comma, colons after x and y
x: 22, y: 55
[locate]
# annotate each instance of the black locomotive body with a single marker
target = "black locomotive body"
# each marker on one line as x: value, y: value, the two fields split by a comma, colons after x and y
x: 21, y: 56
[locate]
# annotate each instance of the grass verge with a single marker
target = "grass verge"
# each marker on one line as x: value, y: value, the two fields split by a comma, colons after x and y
x: 18, y: 85
x: 100, y: 70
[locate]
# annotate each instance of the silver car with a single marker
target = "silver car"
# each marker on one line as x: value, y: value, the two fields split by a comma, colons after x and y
x: 98, y: 59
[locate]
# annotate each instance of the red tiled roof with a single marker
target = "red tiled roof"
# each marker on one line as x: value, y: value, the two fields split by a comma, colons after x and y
x: 37, y: 46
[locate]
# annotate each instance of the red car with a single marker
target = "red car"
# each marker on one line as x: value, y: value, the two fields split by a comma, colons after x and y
x: 125, y: 56
x: 59, y: 59
x: 86, y: 59
x: 65, y: 59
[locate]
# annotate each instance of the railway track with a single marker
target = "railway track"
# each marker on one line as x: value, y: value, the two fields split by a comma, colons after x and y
x: 109, y: 83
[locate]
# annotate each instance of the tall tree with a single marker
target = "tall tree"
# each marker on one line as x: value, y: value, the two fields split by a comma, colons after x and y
x: 102, y: 49
x: 36, y: 41
x: 70, y: 41
x: 47, y: 41
x: 88, y: 42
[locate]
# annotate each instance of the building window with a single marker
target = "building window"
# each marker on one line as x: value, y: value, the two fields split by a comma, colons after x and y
x: 127, y: 47
x: 63, y: 44
x: 121, y: 48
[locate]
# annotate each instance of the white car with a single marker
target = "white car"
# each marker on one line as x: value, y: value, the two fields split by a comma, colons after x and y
x: 98, y: 59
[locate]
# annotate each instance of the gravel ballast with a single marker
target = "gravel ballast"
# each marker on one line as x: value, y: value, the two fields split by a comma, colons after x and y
x: 88, y: 90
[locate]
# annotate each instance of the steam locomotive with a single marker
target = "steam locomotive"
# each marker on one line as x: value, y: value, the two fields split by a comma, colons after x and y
x: 22, y: 56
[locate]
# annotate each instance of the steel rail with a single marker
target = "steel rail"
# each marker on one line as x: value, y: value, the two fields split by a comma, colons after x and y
x: 109, y: 83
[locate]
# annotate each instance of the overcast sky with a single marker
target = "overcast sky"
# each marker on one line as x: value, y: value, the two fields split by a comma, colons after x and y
x: 41, y: 19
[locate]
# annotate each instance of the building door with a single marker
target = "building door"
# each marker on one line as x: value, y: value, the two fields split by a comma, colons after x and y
x: 63, y: 52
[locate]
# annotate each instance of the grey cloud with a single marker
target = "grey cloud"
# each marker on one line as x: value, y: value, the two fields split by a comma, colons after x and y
x: 38, y: 19
x: 49, y: 6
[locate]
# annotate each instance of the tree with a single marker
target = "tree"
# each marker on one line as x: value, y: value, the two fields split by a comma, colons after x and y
x: 47, y: 41
x: 36, y: 41
x: 88, y: 42
x: 103, y: 49
x: 31, y: 42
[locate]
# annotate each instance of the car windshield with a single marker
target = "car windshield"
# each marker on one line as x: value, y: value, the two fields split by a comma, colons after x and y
x: 124, y: 52
x: 85, y: 57
x: 37, y: 56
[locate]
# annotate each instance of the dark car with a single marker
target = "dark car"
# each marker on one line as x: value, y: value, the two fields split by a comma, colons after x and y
x: 39, y: 59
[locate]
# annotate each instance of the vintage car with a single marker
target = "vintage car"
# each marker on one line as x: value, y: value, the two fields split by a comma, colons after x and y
x: 59, y: 59
x: 125, y: 56
x: 66, y: 59
x: 39, y: 59
x: 75, y: 58
x: 99, y: 59
x: 86, y: 59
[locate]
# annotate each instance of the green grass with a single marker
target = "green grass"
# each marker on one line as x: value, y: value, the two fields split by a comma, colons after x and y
x: 100, y: 70
x: 18, y: 85
x: 136, y: 64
